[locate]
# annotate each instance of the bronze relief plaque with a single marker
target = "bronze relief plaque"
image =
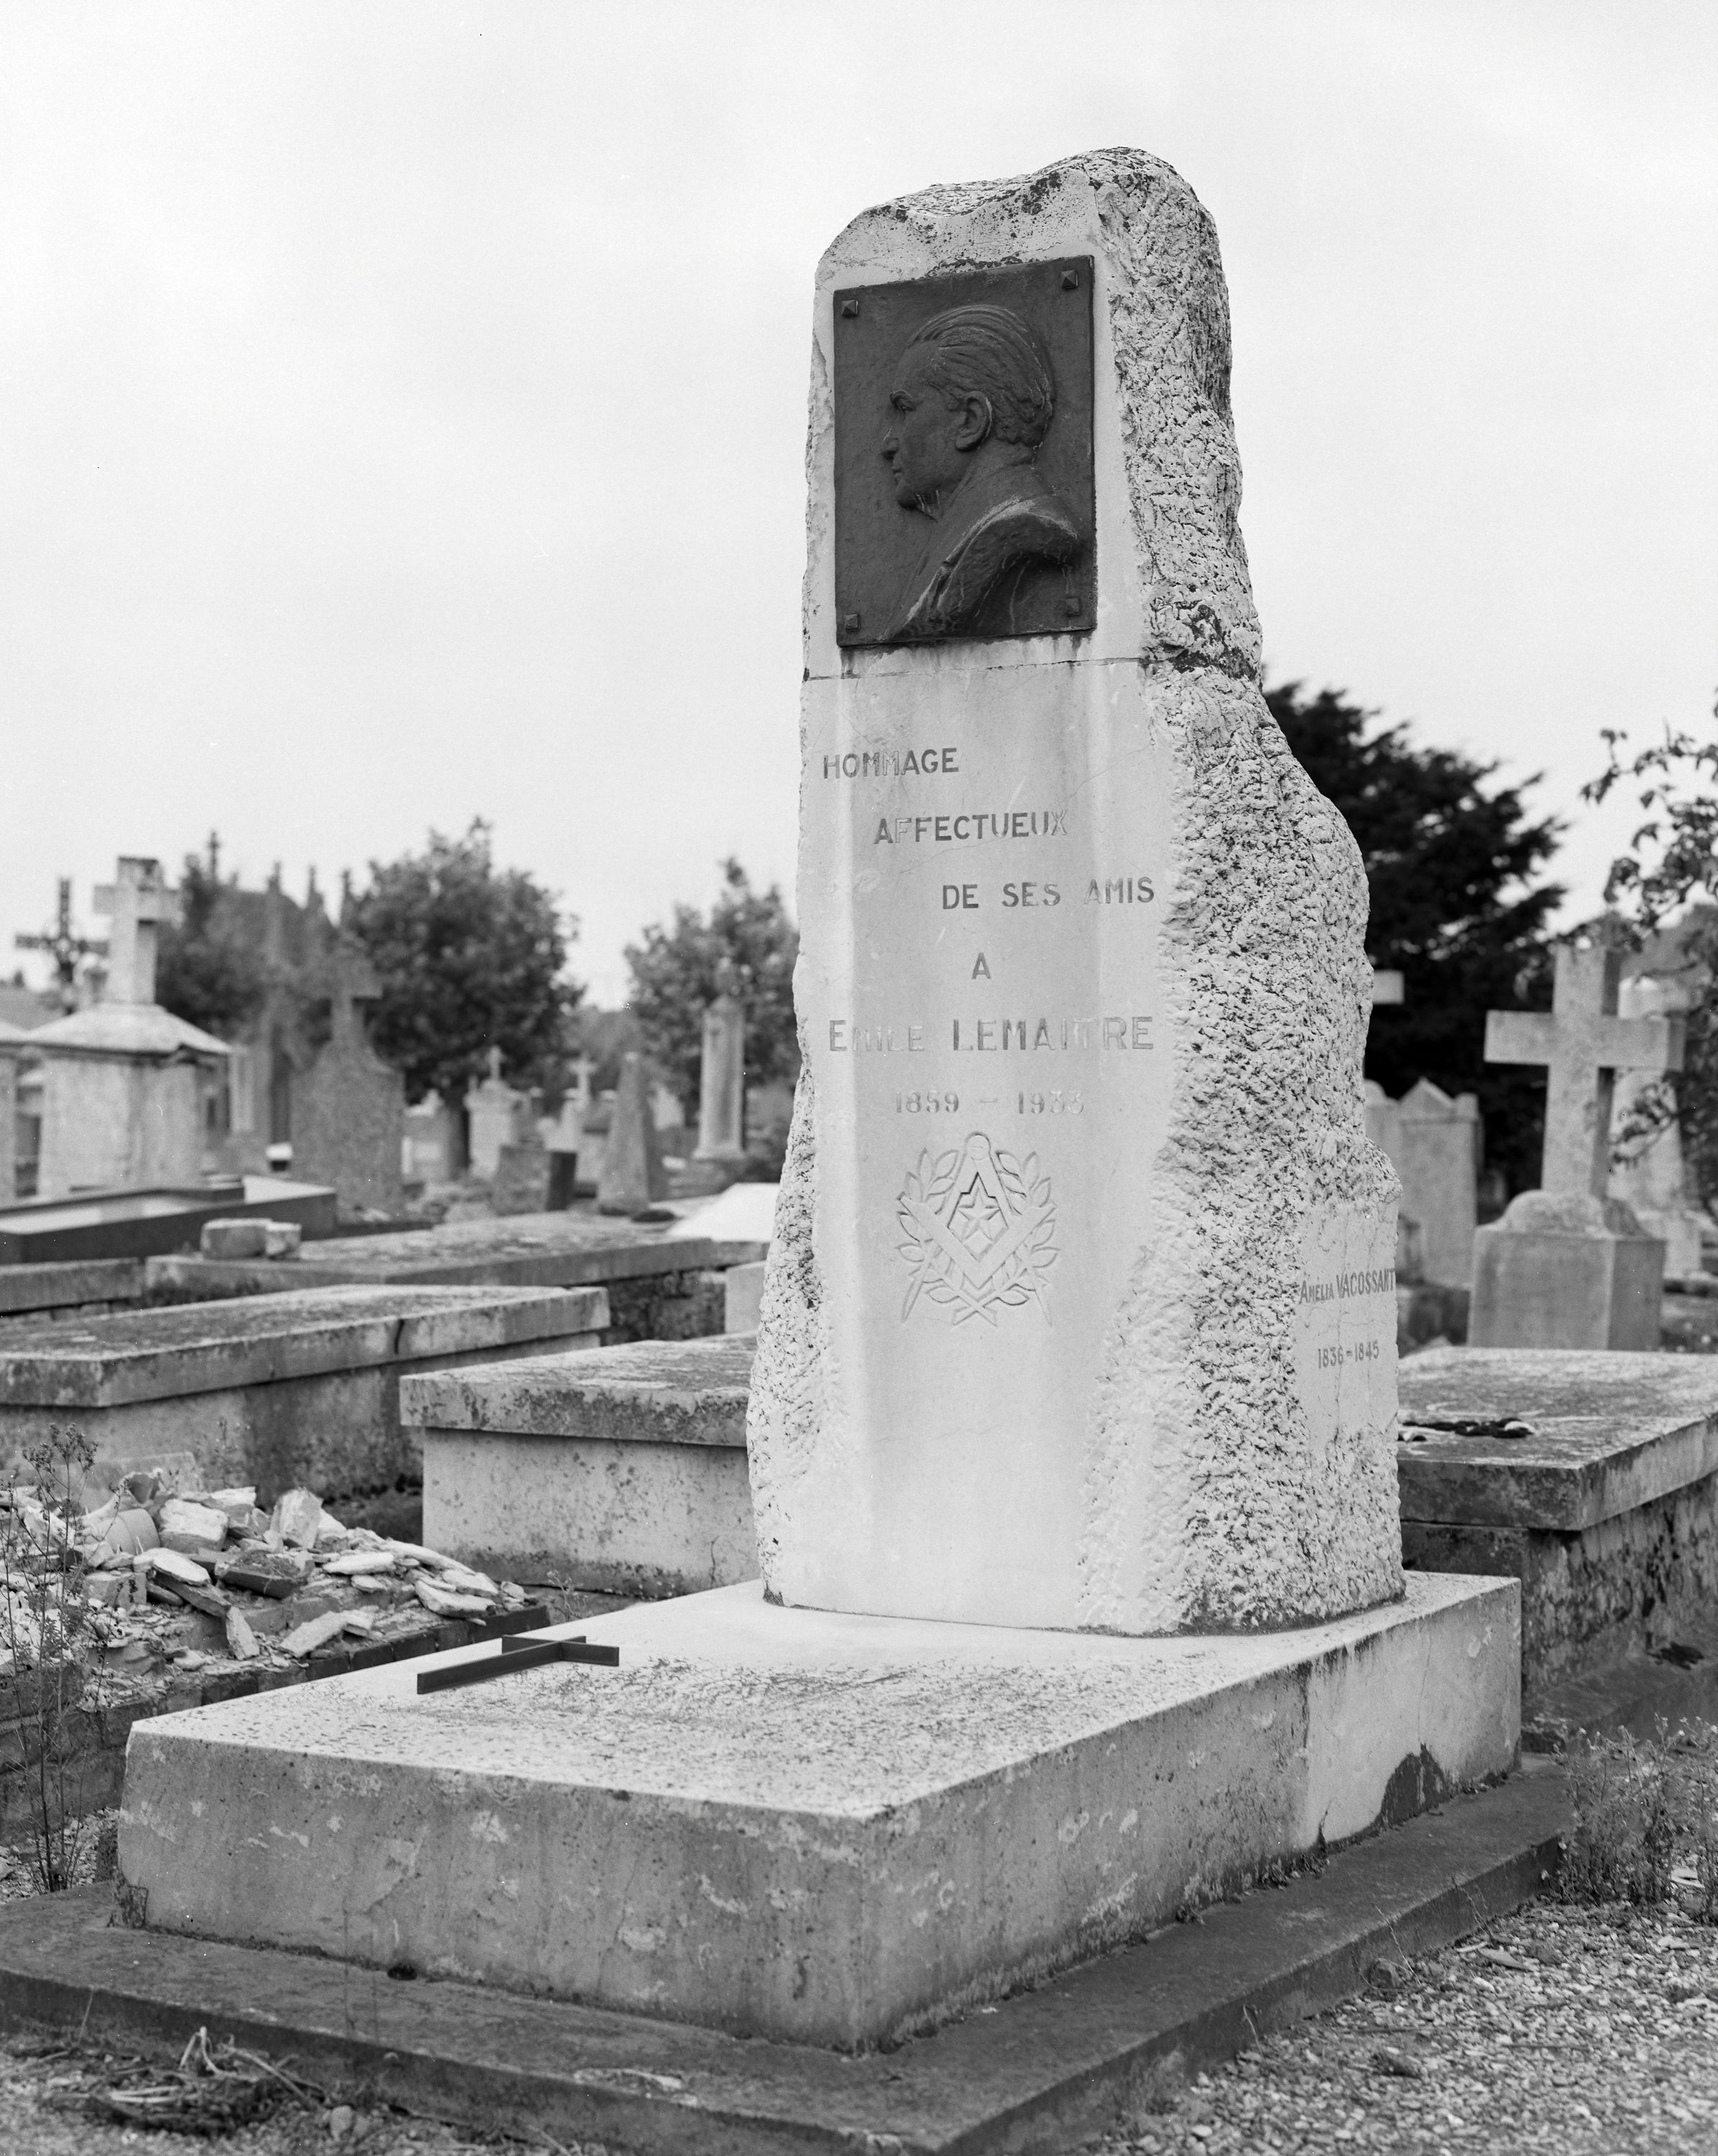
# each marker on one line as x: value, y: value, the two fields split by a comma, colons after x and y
x: 963, y: 446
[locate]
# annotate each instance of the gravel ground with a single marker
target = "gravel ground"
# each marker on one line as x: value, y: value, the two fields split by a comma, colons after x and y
x: 53, y: 2103
x: 1591, y: 2032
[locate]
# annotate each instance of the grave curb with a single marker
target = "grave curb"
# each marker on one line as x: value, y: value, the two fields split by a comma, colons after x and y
x: 1025, y: 2078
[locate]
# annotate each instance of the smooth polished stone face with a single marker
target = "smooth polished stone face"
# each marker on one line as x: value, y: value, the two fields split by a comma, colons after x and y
x: 1081, y: 1307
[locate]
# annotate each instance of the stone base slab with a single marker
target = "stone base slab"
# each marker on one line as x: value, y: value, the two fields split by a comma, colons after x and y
x: 1038, y: 2075
x: 825, y: 1829
x: 1536, y: 1289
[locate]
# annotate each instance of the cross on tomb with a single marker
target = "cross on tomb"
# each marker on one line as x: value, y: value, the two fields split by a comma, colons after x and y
x: 65, y: 947
x: 140, y: 904
x: 519, y: 1650
x: 1583, y: 1044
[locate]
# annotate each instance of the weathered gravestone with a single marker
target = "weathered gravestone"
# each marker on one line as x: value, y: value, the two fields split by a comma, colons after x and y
x: 722, y: 1081
x: 1433, y: 1142
x: 493, y: 1110
x: 1652, y: 1178
x: 1568, y: 1266
x: 13, y: 1040
x: 633, y: 1177
x: 125, y: 1081
x: 1078, y: 1323
x: 348, y: 1109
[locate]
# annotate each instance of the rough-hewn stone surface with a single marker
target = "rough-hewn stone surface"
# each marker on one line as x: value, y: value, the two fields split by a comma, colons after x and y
x: 1188, y: 1442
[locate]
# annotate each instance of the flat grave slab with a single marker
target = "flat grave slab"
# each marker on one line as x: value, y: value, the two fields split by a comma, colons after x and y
x: 69, y: 1284
x: 827, y: 1829
x: 291, y: 1387
x: 141, y: 1224
x: 622, y: 1471
x: 1036, y: 2074
x: 1606, y: 1509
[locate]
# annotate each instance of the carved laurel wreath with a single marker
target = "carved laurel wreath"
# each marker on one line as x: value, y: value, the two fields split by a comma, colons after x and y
x: 1006, y: 1270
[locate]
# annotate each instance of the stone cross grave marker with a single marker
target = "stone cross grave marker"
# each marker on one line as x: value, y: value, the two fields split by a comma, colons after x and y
x: 349, y: 1108
x: 1566, y: 1267
x: 1582, y: 1044
x: 140, y: 904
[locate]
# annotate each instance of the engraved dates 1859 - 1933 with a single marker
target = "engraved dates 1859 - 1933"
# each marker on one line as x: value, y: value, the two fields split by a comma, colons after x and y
x: 963, y: 442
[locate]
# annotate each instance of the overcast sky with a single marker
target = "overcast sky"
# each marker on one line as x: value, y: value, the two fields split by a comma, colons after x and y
x: 402, y: 405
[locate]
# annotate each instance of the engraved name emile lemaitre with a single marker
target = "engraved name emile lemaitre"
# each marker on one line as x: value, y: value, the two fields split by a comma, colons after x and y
x: 972, y: 400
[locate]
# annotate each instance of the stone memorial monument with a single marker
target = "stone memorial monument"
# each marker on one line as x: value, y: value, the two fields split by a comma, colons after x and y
x: 1434, y: 1143
x: 1568, y: 1266
x: 1081, y: 1309
x: 124, y: 1082
x: 633, y: 1177
x: 1079, y: 1325
x: 721, y: 1079
x: 492, y: 1114
x: 348, y: 1110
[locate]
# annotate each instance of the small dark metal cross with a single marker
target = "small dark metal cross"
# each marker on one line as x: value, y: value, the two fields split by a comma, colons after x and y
x: 63, y: 946
x: 519, y: 1650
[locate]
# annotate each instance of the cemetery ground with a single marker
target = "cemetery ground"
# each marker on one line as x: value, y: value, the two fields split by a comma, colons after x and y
x: 1574, y: 2024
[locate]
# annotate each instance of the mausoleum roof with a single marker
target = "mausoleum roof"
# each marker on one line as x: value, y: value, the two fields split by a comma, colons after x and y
x: 126, y: 1029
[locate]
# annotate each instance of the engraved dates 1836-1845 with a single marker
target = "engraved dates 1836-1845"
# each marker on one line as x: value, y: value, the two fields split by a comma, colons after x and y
x: 963, y: 430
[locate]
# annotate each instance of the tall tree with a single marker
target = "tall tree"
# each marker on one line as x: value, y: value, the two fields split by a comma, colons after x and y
x: 748, y: 942
x: 208, y: 972
x: 470, y: 958
x: 1452, y: 864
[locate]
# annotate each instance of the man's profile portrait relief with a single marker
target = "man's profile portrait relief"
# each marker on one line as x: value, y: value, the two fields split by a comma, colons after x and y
x: 972, y: 400
x: 964, y: 503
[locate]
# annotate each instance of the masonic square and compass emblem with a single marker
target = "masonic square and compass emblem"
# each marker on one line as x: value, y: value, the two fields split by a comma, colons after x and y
x: 979, y: 1230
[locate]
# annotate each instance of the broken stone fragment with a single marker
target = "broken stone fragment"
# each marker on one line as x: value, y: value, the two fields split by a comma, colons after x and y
x: 354, y: 1563
x: 132, y: 1532
x: 173, y: 1565
x: 241, y: 1640
x: 297, y: 1518
x: 459, y: 1580
x: 188, y: 1527
x: 442, y: 1604
x: 304, y: 1639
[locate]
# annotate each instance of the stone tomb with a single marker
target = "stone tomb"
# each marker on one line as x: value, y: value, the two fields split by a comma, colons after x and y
x: 659, y: 1287
x: 124, y: 1082
x: 623, y: 1471
x: 1604, y: 1507
x: 276, y: 1389
x: 1078, y: 1324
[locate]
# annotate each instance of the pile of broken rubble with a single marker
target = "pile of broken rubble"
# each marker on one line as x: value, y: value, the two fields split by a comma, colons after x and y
x: 192, y: 1581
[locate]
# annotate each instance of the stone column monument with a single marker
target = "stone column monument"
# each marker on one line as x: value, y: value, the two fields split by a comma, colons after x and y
x: 721, y: 1079
x: 1080, y: 1310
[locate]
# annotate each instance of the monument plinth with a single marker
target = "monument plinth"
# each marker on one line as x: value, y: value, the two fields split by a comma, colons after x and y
x: 1081, y: 1309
